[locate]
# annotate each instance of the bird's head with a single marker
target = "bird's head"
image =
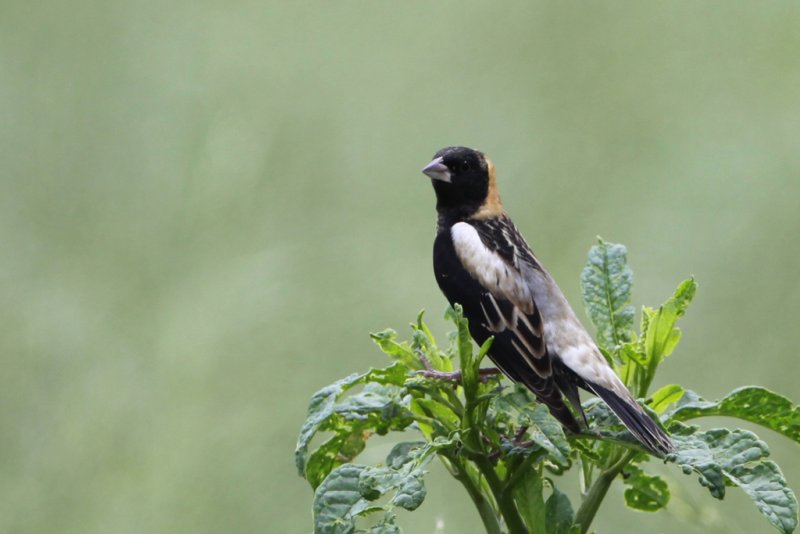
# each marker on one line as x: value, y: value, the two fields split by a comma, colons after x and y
x: 464, y: 181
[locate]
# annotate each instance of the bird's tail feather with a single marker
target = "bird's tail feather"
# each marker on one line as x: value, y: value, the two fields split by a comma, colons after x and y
x: 548, y: 394
x: 545, y: 390
x: 635, y: 419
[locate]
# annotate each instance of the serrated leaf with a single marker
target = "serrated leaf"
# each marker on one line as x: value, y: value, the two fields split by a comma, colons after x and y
x: 320, y: 408
x: 438, y: 415
x: 335, y: 501
x: 644, y: 324
x: 339, y: 449
x: 408, y: 487
x: 351, y: 489
x: 661, y: 336
x: 543, y: 429
x: 630, y: 352
x: 386, y: 526
x: 558, y: 513
x: 423, y: 340
x: 527, y: 493
x: 401, y: 453
x: 399, y: 351
x: 587, y: 451
x: 738, y: 458
x: 665, y: 396
x: 379, y: 407
x: 606, y: 283
x: 464, y: 346
x: 427, y: 425
x: 647, y: 493
x: 418, y: 453
x: 751, y: 403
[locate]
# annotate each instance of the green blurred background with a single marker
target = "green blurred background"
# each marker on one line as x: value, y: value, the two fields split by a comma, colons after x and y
x: 206, y: 206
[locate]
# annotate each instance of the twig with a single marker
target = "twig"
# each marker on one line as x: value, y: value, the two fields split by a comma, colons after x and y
x: 484, y: 375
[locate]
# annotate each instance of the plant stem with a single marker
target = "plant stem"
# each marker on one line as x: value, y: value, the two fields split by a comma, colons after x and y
x: 586, y: 475
x: 483, y: 505
x: 519, y: 471
x: 503, y: 498
x: 598, y: 491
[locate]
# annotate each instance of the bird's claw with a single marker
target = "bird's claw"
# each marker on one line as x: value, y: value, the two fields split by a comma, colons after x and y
x: 484, y: 375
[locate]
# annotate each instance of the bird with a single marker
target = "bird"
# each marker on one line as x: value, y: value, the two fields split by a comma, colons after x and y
x: 482, y: 262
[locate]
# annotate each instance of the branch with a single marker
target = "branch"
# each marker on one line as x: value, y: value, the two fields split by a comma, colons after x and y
x: 598, y: 491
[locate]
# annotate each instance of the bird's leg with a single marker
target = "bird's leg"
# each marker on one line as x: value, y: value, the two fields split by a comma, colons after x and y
x: 430, y: 372
x: 487, y: 373
x: 520, y: 433
x: 484, y: 375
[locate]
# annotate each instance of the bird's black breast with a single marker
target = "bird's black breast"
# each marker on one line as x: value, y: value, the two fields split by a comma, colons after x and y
x: 457, y: 284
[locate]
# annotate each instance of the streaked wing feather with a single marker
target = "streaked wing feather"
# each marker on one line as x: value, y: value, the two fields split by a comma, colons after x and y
x: 509, y: 311
x: 494, y: 254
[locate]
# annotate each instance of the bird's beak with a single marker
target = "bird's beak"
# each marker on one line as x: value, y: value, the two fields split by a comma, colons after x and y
x: 437, y: 170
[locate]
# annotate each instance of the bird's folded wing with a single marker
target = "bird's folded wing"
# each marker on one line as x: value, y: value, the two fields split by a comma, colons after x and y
x: 509, y: 311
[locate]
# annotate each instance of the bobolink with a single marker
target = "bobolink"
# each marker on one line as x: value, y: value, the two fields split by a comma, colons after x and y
x: 482, y: 262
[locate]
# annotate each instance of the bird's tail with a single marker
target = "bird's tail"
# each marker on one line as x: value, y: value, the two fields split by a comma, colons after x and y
x: 548, y: 394
x: 545, y: 389
x: 635, y: 419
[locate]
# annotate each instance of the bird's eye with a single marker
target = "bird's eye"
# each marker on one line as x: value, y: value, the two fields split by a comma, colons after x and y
x: 464, y: 167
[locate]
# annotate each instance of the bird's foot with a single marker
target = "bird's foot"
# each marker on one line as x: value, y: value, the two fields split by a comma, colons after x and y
x: 454, y: 376
x: 520, y: 433
x: 484, y: 375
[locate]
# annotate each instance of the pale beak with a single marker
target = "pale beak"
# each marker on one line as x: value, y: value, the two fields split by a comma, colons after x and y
x: 437, y: 170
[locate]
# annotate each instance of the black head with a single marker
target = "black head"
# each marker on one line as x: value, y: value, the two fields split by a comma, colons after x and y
x: 463, y: 179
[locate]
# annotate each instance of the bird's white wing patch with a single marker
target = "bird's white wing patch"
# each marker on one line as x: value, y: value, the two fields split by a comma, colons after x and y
x: 488, y: 268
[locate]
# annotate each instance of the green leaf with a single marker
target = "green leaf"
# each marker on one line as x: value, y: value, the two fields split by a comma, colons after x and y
x: 527, y: 493
x: 423, y: 340
x: 386, y: 526
x: 419, y: 453
x: 721, y: 456
x: 408, y: 487
x: 599, y: 415
x: 644, y: 324
x: 349, y: 491
x: 647, y: 493
x: 630, y: 352
x: 587, y: 451
x: 379, y: 407
x: 339, y: 449
x: 464, y: 345
x: 401, y: 352
x: 404, y: 452
x: 438, y: 411
x: 475, y: 404
x: 661, y: 336
x: 483, y: 351
x: 558, y: 513
x: 665, y: 396
x: 544, y: 430
x: 320, y: 408
x: 606, y: 282
x: 750, y: 403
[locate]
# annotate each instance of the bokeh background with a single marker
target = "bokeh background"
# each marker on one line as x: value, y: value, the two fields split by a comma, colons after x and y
x: 206, y: 206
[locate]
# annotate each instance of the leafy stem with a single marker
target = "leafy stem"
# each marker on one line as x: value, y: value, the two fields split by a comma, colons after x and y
x: 597, y: 492
x: 505, y: 504
x: 481, y: 502
x: 508, y: 451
